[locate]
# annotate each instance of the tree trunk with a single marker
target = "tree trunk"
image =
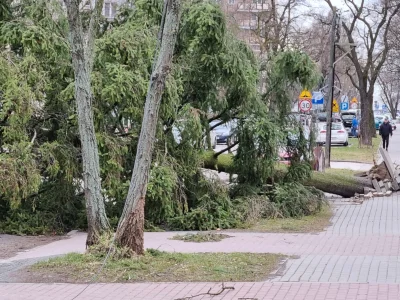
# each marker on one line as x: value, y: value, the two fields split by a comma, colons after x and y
x: 131, y: 225
x: 343, y: 186
x: 95, y: 208
x: 367, y: 125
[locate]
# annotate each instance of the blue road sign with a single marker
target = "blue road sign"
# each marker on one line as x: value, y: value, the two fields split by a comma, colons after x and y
x: 317, y: 98
x: 344, y: 106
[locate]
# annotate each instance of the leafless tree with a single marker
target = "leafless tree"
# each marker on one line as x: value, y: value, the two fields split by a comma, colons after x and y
x: 367, y: 27
x: 389, y: 82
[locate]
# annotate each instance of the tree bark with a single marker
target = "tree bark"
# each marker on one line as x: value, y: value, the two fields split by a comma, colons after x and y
x: 82, y: 55
x: 346, y: 187
x: 367, y: 125
x: 131, y: 225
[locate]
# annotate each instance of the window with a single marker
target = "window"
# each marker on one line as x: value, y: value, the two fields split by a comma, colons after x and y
x: 335, y: 126
x: 107, y: 9
x: 231, y: 2
x: 110, y: 9
x: 254, y: 17
x: 113, y: 10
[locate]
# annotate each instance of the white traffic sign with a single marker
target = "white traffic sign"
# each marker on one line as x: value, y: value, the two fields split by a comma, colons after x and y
x: 344, y: 98
x: 305, y: 104
x: 353, y: 105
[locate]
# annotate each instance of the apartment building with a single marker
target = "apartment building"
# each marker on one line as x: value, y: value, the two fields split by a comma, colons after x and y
x: 246, y: 19
x: 110, y: 7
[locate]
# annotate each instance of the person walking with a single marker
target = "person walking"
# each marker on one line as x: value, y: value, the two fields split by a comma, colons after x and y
x: 354, y: 126
x: 384, y: 131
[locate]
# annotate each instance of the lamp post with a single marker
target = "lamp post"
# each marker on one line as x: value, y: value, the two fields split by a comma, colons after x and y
x: 330, y: 93
x: 331, y: 87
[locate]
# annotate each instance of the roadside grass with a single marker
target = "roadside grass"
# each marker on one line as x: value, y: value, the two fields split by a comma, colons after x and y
x: 200, y: 237
x: 157, y: 266
x: 341, y: 172
x: 355, y: 154
x: 307, y: 224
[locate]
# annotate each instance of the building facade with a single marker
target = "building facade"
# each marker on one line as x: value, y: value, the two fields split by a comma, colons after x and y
x: 247, y: 18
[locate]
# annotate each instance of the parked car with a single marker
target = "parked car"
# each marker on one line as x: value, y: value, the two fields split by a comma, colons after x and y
x: 347, y: 118
x: 391, y: 121
x: 379, y: 121
x: 284, y: 157
x: 224, y: 132
x: 177, y: 137
x: 339, y: 134
x: 321, y: 117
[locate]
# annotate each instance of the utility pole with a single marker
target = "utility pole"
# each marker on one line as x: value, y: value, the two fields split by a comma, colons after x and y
x: 330, y: 93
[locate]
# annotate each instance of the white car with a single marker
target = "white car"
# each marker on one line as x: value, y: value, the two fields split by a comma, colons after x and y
x: 339, y: 134
x: 213, y: 137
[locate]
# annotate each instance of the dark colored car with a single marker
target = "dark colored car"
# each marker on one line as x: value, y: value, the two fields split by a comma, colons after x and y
x: 321, y: 117
x: 224, y: 132
x: 379, y: 121
x: 347, y: 118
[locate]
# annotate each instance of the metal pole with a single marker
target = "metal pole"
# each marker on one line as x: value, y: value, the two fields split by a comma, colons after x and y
x: 330, y: 90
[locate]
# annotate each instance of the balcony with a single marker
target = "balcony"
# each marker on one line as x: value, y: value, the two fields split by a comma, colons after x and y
x: 252, y: 7
x: 249, y: 24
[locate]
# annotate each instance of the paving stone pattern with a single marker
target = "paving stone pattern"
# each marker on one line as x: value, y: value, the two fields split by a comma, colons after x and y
x: 355, y: 258
x: 169, y: 291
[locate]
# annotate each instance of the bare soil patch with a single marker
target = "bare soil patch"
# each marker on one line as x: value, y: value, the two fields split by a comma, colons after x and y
x: 10, y: 245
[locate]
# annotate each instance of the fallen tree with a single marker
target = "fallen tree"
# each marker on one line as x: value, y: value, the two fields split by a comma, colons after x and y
x: 342, y: 185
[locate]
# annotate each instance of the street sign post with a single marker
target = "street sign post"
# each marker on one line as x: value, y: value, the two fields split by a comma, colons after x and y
x: 344, y: 106
x: 305, y: 104
x: 305, y: 101
x: 305, y: 94
x: 335, y: 106
x: 317, y: 98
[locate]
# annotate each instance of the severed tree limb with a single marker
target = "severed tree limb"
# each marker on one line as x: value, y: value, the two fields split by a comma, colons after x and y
x: 209, y: 293
x: 226, y: 149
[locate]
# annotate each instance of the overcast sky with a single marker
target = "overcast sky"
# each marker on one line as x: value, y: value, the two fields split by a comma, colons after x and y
x: 323, y: 7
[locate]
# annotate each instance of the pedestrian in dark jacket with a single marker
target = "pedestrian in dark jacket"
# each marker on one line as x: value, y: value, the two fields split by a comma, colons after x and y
x: 385, y: 130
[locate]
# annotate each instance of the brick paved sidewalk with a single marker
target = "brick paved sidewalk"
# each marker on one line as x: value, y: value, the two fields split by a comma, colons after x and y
x: 172, y: 291
x: 361, y: 247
